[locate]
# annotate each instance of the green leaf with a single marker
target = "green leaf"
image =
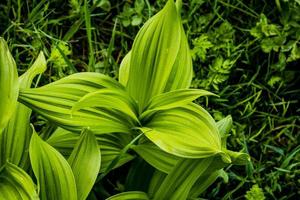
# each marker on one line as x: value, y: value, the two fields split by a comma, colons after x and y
x: 173, y: 99
x: 53, y: 173
x: 15, y: 138
x: 167, y: 129
x: 54, y: 101
x: 9, y: 87
x: 111, y: 146
x: 180, y: 180
x: 85, y: 162
x: 161, y: 57
x: 156, y: 157
x: 132, y: 195
x: 124, y: 69
x: 16, y: 184
x: 112, y: 99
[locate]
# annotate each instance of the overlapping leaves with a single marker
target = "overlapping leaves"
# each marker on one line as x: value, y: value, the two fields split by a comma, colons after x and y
x: 149, y: 111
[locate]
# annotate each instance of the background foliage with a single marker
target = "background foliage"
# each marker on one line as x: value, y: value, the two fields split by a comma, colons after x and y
x: 247, y: 52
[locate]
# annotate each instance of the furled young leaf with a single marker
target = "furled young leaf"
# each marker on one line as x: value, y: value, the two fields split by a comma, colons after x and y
x: 161, y: 60
x: 16, y: 136
x: 9, y: 87
x: 16, y: 184
x: 124, y: 69
x: 85, y: 162
x: 187, y: 131
x: 173, y: 99
x: 53, y: 173
x: 132, y: 195
x: 159, y: 159
x: 54, y: 101
x: 111, y: 146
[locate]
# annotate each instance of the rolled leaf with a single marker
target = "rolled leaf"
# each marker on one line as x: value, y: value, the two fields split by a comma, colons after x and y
x: 9, y: 87
x: 85, y: 162
x: 16, y: 136
x: 55, y: 101
x: 160, y: 57
x: 53, y: 173
x: 16, y: 184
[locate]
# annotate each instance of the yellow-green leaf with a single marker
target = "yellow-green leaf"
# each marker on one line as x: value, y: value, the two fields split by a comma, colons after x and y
x: 132, y: 195
x: 16, y: 184
x: 85, y: 162
x: 53, y: 173
x: 9, y: 87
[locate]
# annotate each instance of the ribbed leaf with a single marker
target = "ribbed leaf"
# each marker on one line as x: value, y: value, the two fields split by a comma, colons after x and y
x: 54, y: 101
x: 111, y: 99
x: 111, y: 146
x: 178, y: 183
x: 53, y: 173
x: 124, y: 69
x: 85, y: 162
x: 156, y: 157
x: 133, y: 195
x: 9, y: 87
x: 16, y: 184
x: 160, y: 59
x: 15, y: 139
x: 173, y: 99
x: 188, y: 131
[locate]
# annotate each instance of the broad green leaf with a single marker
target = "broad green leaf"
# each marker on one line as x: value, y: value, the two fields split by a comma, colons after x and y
x: 132, y: 195
x: 204, y: 182
x: 111, y: 146
x: 187, y: 131
x: 156, y: 181
x: 160, y: 57
x: 9, y: 87
x: 180, y: 180
x: 111, y: 99
x: 173, y: 99
x: 156, y: 157
x: 124, y: 69
x: 16, y: 184
x: 16, y: 136
x: 55, y: 101
x: 53, y: 173
x: 85, y: 162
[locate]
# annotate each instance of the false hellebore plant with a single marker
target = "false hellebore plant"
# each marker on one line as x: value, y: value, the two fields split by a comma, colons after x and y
x: 176, y: 148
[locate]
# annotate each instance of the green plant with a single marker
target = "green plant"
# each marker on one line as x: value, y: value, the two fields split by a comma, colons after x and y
x: 147, y: 117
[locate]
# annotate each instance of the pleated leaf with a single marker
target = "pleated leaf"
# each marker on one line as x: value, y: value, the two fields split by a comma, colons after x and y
x: 111, y: 146
x: 16, y: 136
x: 9, y: 87
x: 85, y: 162
x: 160, y: 57
x: 180, y: 180
x: 159, y: 159
x: 53, y: 173
x: 187, y: 131
x: 124, y: 69
x: 132, y: 195
x: 173, y: 99
x: 16, y: 184
x: 55, y: 101
x: 111, y: 99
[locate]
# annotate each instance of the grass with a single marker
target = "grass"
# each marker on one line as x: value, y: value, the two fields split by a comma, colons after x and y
x: 258, y: 88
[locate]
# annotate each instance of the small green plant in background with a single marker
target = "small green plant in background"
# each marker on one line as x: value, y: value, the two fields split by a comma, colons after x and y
x: 255, y: 193
x: 148, y: 118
